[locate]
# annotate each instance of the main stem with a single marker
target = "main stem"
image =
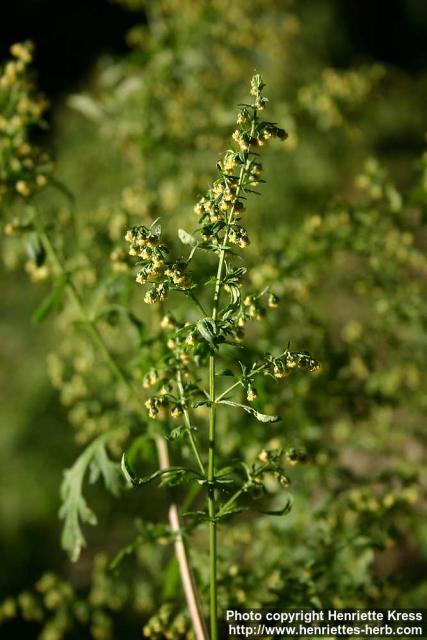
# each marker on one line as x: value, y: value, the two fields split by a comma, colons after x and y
x: 186, y: 573
x: 212, y: 507
x: 188, y: 424
x: 212, y: 504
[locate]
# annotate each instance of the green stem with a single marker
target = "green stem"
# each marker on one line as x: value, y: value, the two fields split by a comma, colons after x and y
x: 187, y: 577
x: 190, y: 428
x: 233, y: 499
x: 236, y: 384
x: 212, y: 507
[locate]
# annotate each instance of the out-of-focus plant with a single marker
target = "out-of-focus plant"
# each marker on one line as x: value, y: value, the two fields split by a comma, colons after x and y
x: 58, y: 607
x: 24, y: 168
x: 152, y: 104
x: 327, y: 99
x: 367, y: 256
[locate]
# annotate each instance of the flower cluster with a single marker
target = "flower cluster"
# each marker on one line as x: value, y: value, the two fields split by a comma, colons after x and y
x: 24, y: 168
x: 145, y: 243
x: 214, y: 206
x: 189, y: 344
x: 220, y: 208
x: 246, y: 134
x: 284, y: 364
x: 156, y: 405
x: 253, y: 307
x: 184, y: 345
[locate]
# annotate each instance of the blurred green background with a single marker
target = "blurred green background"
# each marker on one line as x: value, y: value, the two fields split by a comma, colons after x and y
x: 114, y: 144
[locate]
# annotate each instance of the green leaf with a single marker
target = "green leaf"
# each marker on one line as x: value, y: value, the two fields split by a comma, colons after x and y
x: 50, y: 303
x: 236, y: 274
x: 235, y: 297
x: 130, y: 476
x: 200, y: 403
x: 262, y: 417
x: 207, y: 329
x: 74, y: 509
x: 186, y: 238
x: 102, y: 466
x: 170, y: 476
x: 196, y: 518
x: 223, y: 515
x: 220, y: 481
x: 156, y: 227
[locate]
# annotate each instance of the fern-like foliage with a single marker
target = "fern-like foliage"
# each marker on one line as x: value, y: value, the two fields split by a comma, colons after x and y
x: 75, y: 511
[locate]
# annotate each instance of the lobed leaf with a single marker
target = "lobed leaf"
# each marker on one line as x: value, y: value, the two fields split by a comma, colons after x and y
x: 74, y: 509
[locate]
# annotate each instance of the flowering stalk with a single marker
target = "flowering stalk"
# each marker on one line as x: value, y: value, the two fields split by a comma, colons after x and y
x: 192, y: 344
x: 246, y: 152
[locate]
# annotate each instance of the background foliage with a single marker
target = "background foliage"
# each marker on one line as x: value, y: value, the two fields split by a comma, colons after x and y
x: 345, y: 196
